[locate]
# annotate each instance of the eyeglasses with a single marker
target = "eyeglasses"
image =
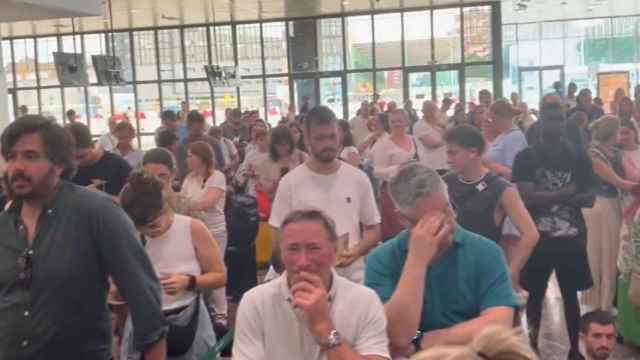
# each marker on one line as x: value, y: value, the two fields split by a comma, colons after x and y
x: 25, y: 264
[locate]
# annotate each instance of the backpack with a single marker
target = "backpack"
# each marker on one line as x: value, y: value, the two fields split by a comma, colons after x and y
x: 243, y: 219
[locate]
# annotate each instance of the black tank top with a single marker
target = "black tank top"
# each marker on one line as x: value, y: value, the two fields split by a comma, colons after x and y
x: 476, y: 203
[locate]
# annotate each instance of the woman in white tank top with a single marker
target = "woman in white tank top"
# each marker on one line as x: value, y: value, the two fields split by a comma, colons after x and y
x: 186, y: 260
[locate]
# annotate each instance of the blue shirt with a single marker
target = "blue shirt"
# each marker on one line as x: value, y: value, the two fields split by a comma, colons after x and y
x: 469, y: 278
x: 506, y: 146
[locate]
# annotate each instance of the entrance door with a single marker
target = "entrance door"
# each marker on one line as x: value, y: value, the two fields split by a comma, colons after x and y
x: 433, y: 84
x: 326, y: 91
x: 535, y: 82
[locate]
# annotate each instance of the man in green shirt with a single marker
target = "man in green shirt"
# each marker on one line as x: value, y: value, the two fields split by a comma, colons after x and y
x: 59, y: 245
x: 437, y: 280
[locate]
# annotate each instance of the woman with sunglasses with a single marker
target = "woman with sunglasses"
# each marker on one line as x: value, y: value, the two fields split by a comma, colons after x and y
x: 187, y: 261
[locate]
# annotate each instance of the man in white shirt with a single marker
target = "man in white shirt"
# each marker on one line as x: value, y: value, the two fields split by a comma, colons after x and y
x: 359, y: 128
x: 108, y: 141
x: 310, y: 312
x: 428, y: 133
x: 342, y: 191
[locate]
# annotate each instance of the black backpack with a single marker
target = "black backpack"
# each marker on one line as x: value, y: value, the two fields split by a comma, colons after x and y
x: 241, y: 213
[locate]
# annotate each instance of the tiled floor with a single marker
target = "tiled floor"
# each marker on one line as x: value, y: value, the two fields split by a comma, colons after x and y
x: 554, y: 341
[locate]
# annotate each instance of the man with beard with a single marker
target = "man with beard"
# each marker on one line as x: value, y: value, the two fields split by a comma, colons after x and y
x: 310, y: 312
x: 598, y: 334
x: 59, y: 245
x: 342, y: 191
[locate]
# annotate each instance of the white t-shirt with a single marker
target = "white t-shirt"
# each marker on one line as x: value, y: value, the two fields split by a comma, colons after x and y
x: 359, y: 129
x: 193, y: 189
x: 387, y: 158
x: 268, y: 326
x: 229, y: 150
x: 346, y: 196
x: 134, y: 157
x: 107, y: 142
x: 433, y: 158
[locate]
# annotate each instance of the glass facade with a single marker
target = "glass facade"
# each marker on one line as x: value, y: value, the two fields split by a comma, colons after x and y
x: 535, y: 55
x: 337, y: 61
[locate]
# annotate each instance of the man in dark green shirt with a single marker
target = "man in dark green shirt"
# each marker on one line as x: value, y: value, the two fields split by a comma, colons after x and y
x: 59, y: 244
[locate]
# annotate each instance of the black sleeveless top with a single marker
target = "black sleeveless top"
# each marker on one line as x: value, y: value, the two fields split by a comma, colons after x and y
x: 476, y: 203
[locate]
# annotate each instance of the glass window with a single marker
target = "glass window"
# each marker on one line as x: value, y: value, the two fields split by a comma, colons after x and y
x: 446, y: 33
x: 94, y: 44
x: 359, y: 42
x: 417, y: 37
x: 74, y: 98
x: 330, y: 50
x: 302, y: 42
x: 478, y: 77
x: 359, y: 88
x: 624, y: 43
x: 274, y: 39
x: 147, y: 142
x: 331, y: 94
x: 71, y: 43
x: 170, y: 53
x: 172, y: 95
x: 224, y: 97
x: 251, y: 96
x: 200, y: 99
x: 46, y: 66
x: 388, y: 42
x: 277, y: 99
x: 249, y: 49
x: 25, y: 62
x: 477, y: 33
x: 30, y: 99
x: 389, y: 86
x: 124, y: 104
x: 529, y: 44
x: 7, y: 62
x: 144, y: 54
x: 122, y: 46
x: 196, y: 52
x: 148, y: 107
x: 51, y: 103
x: 222, y: 46
x: 99, y: 109
x: 448, y: 86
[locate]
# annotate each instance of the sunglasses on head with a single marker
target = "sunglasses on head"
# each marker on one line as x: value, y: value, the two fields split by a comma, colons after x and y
x: 25, y: 265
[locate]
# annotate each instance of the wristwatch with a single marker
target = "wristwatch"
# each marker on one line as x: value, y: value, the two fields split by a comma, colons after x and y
x: 334, y: 340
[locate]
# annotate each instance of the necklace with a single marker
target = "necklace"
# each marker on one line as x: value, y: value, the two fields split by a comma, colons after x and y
x: 467, y: 182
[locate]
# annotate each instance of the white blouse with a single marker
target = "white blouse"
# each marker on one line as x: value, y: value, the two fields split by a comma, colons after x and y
x: 388, y: 156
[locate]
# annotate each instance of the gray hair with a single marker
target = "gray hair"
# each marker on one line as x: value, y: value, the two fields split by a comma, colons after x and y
x: 413, y: 182
x: 313, y: 215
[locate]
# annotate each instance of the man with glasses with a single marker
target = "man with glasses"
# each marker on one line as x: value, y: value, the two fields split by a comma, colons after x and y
x: 437, y: 280
x: 59, y: 245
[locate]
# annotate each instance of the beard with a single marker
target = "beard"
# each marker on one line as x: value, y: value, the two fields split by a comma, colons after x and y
x: 40, y: 187
x: 326, y: 155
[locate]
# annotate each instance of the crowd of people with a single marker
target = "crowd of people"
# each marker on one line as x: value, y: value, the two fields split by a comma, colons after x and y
x: 394, y: 235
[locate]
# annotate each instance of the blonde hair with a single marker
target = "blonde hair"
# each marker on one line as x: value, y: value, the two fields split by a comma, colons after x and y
x: 605, y: 128
x: 493, y: 343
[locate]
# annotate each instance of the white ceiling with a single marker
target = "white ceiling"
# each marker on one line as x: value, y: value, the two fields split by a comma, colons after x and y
x: 150, y: 13
x: 549, y: 10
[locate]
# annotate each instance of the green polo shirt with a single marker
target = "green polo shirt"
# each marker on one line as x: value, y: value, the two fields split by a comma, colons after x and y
x: 469, y: 278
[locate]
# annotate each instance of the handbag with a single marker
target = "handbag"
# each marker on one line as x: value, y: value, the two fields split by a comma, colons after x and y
x: 180, y: 337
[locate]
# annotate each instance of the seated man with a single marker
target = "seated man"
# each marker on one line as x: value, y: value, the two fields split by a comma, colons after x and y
x: 598, y: 334
x: 437, y: 280
x: 310, y: 312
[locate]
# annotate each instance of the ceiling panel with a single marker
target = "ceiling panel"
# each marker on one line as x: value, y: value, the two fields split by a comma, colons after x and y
x: 150, y: 13
x: 519, y: 11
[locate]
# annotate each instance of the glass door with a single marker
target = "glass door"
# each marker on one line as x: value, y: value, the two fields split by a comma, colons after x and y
x: 305, y: 93
x: 550, y: 75
x: 420, y: 88
x: 331, y: 94
x: 448, y: 86
x: 530, y: 87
